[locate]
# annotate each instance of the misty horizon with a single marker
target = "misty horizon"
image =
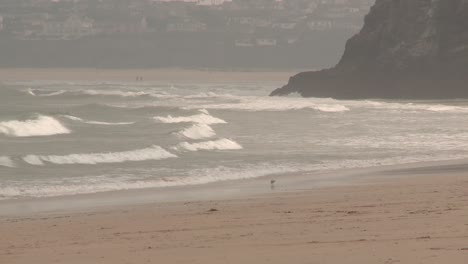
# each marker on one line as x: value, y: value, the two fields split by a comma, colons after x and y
x: 243, y: 131
x: 154, y: 34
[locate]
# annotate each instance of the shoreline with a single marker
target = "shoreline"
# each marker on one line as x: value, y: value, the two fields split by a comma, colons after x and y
x: 403, y: 214
x: 225, y: 190
x: 149, y: 75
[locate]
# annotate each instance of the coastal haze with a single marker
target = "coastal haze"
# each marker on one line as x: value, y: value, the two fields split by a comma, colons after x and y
x: 143, y: 131
x: 192, y: 34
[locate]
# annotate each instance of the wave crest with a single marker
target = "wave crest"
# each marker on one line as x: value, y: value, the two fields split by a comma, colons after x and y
x: 152, y: 153
x: 278, y: 104
x: 42, y: 126
x: 203, y: 118
x: 104, y: 183
x: 198, y: 131
x: 6, y: 162
x: 114, y: 93
x: 418, y: 107
x: 221, y: 144
x: 74, y: 118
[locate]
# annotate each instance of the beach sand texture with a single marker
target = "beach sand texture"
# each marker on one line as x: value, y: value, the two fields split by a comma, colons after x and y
x: 421, y: 219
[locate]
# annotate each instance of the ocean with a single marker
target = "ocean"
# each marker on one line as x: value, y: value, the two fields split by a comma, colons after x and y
x: 68, y: 138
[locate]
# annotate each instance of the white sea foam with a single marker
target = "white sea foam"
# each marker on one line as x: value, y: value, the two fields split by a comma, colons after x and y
x: 223, y: 173
x: 418, y: 107
x: 152, y: 153
x: 41, y: 126
x: 198, y: 131
x: 433, y: 142
x: 112, y: 182
x: 30, y: 92
x: 54, y: 93
x: 6, y: 162
x: 127, y: 93
x: 209, y: 95
x: 204, y: 111
x: 33, y: 160
x: 114, y: 93
x: 44, y: 93
x: 103, y: 183
x: 442, y: 108
x: 221, y: 144
x: 202, y: 118
x: 74, y: 118
x: 47, y: 93
x: 277, y: 104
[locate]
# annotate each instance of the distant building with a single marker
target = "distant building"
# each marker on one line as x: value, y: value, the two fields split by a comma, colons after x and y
x: 250, y: 21
x: 320, y: 25
x: 123, y: 25
x: 284, y: 25
x: 244, y: 43
x: 258, y: 42
x: 266, y: 42
x: 74, y: 27
x: 347, y: 25
x: 241, y: 20
x: 210, y: 2
x: 292, y: 40
x: 280, y: 5
x: 341, y: 2
x: 186, y: 25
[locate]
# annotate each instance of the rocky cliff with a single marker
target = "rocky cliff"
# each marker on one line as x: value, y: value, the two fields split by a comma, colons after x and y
x: 414, y: 49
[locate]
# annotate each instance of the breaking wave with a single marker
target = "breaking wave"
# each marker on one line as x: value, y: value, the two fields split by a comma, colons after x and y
x: 221, y: 144
x: 45, y: 94
x: 114, y: 93
x: 93, y: 92
x: 418, y: 107
x: 209, y: 95
x: 223, y: 173
x: 104, y: 183
x: 152, y: 153
x: 41, y: 126
x: 204, y: 111
x: 198, y: 131
x: 6, y: 162
x: 203, y: 118
x: 74, y: 118
x: 278, y: 104
x: 30, y: 92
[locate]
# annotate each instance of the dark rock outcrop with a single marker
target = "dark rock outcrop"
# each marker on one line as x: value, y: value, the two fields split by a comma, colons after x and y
x: 412, y: 49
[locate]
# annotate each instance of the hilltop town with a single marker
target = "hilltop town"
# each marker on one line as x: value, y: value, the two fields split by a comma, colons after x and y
x: 227, y: 27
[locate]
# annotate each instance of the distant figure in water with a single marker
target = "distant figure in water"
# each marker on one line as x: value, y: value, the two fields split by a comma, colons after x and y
x: 272, y: 184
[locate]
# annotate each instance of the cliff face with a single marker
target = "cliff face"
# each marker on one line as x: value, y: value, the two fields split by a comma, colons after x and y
x: 406, y: 49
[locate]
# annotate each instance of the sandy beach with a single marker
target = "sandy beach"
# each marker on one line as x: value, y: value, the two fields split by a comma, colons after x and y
x: 148, y: 75
x: 412, y: 215
x: 271, y: 140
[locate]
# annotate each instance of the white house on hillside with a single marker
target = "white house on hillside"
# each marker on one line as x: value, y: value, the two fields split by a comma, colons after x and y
x: 211, y: 2
x: 73, y: 27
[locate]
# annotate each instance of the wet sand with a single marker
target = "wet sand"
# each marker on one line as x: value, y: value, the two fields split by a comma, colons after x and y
x: 410, y: 215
